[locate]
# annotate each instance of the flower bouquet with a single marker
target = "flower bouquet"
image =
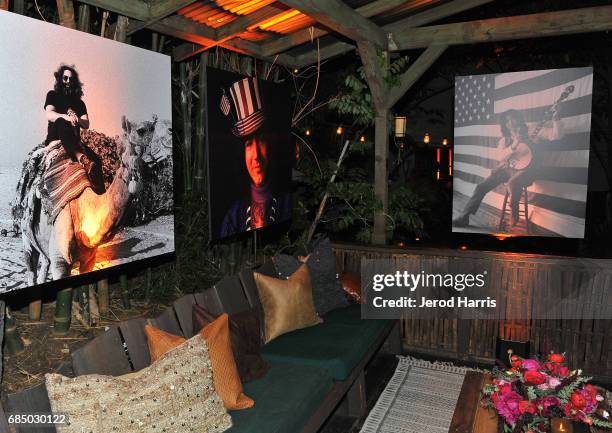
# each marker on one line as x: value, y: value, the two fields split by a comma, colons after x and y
x: 533, y: 391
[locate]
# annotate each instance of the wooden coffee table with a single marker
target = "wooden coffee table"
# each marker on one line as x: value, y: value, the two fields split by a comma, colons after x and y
x: 469, y: 415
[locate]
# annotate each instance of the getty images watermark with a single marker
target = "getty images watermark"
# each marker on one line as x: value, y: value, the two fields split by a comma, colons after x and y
x: 458, y: 288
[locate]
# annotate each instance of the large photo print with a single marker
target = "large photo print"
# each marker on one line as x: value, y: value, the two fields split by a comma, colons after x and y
x: 86, y: 177
x: 250, y: 153
x: 522, y: 152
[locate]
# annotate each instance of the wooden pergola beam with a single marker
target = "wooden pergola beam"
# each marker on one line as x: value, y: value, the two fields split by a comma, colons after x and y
x: 340, y: 18
x: 559, y: 23
x: 306, y: 35
x: 445, y: 10
x: 158, y: 11
x: 186, y: 29
x: 414, y: 72
x: 136, y: 9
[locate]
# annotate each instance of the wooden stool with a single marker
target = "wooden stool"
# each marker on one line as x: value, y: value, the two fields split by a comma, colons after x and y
x: 523, y: 210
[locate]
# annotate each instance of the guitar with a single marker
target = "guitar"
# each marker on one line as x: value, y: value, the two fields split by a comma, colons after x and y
x: 518, y: 155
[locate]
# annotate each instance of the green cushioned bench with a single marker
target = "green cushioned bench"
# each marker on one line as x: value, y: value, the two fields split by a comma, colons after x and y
x: 285, y: 398
x: 337, y: 345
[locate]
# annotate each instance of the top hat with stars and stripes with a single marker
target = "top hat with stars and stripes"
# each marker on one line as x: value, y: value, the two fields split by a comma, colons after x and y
x: 245, y: 106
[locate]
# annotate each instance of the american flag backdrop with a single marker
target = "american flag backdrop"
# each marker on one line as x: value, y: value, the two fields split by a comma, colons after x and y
x: 557, y: 197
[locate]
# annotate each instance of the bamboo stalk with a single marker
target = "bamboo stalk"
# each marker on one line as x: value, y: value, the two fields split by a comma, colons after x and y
x: 83, y: 304
x: 201, y: 124
x: 65, y: 10
x: 103, y: 296
x: 148, y: 282
x: 63, y: 312
x: 94, y: 310
x: 125, y: 291
x: 185, y: 80
x: 12, y: 341
x: 84, y: 23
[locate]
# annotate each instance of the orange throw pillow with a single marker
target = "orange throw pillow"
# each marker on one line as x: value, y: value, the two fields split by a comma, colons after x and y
x: 225, y: 373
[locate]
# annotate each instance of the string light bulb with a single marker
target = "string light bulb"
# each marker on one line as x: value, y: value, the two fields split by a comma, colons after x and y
x: 426, y: 138
x: 339, y: 130
x: 444, y: 141
x: 362, y: 139
x: 295, y: 71
x: 307, y: 132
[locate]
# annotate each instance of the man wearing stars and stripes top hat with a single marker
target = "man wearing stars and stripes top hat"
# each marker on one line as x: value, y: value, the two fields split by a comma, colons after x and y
x: 244, y: 103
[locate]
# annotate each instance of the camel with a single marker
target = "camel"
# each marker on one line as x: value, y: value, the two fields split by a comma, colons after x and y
x: 87, y: 221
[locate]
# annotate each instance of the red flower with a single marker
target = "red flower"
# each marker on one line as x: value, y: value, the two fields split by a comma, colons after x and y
x: 558, y: 369
x: 516, y: 361
x: 578, y: 401
x: 556, y: 357
x: 592, y: 391
x: 533, y: 377
x: 527, y: 406
x: 505, y: 388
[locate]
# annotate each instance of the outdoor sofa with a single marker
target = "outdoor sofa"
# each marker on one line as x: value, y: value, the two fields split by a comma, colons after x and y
x: 313, y: 371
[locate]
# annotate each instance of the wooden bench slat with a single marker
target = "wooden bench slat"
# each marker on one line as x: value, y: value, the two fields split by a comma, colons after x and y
x: 231, y: 295
x: 183, y: 307
x: 31, y: 400
x: 167, y: 321
x: 209, y: 300
x: 104, y: 354
x: 250, y: 288
x: 136, y: 342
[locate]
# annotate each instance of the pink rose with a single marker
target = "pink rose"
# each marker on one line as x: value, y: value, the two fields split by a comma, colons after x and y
x: 531, y: 364
x: 507, y: 406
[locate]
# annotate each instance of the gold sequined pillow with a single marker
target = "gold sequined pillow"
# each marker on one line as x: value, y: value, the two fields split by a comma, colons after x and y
x: 176, y: 393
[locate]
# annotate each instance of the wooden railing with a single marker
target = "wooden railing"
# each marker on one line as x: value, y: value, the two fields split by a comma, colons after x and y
x: 521, y: 277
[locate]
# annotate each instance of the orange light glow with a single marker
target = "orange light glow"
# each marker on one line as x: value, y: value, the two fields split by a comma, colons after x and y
x: 463, y: 248
x: 502, y: 236
x: 444, y: 141
x: 279, y: 19
x: 438, y: 174
x: 307, y: 132
x: 91, y: 225
x: 438, y: 155
x: 362, y: 139
x: 339, y: 130
x: 426, y: 139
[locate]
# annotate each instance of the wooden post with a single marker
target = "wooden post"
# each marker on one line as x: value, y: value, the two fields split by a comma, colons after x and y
x: 65, y: 10
x: 103, y: 296
x: 381, y: 190
x: 94, y: 309
x: 4, y: 4
x: 12, y: 340
x: 63, y: 312
x: 35, y: 307
x: 125, y: 291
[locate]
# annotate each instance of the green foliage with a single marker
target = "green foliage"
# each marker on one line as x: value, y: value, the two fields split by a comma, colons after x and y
x: 355, y: 100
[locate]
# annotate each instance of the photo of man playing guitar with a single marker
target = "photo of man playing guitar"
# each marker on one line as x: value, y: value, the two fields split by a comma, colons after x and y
x: 518, y: 166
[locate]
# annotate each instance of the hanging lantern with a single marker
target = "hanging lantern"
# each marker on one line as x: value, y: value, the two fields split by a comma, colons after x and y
x: 444, y: 141
x: 339, y: 130
x: 400, y: 126
x: 426, y: 138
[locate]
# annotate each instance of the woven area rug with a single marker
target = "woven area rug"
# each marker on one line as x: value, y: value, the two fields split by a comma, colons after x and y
x: 420, y: 398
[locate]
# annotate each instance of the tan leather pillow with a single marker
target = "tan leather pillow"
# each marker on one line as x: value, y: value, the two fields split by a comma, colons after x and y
x: 287, y: 304
x: 225, y: 374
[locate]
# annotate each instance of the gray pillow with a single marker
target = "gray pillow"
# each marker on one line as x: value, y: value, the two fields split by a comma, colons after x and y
x: 327, y: 292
